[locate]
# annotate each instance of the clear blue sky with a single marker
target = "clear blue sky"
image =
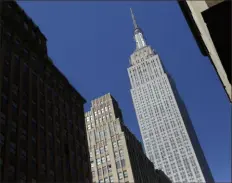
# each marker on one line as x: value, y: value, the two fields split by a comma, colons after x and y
x: 90, y: 42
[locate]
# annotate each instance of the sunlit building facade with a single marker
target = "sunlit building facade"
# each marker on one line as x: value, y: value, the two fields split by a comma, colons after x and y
x: 169, y: 138
x: 115, y: 153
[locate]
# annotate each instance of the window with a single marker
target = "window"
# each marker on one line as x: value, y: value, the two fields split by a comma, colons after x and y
x: 118, y: 164
x: 123, y: 162
x: 33, y: 34
x: 106, y: 180
x: 34, y: 123
x: 25, y: 26
x: 109, y: 168
x: 104, y: 170
x: 33, y: 139
x: 14, y: 126
x: 103, y: 159
x: 98, y: 161
x: 13, y: 148
x: 2, y: 138
x: 23, y: 155
x: 92, y: 164
x: 93, y: 173
x: 125, y: 174
x: 43, y: 169
x: 97, y: 151
x: 15, y: 107
x: 108, y: 158
x: 39, y: 41
x: 106, y: 148
x: 111, y: 179
x: 9, y: 6
x: 116, y: 154
x: 11, y: 173
x: 33, y: 163
x: 121, y: 153
x: 25, y: 51
x: 22, y: 177
x: 102, y: 150
x: 120, y: 175
x: 17, y: 41
x: 114, y: 144
x: 99, y: 172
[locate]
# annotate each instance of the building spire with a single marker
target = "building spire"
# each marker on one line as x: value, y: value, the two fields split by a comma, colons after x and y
x: 133, y: 18
x: 138, y: 34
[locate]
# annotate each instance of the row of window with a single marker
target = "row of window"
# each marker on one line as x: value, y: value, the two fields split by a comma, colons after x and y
x: 101, y: 150
x: 103, y: 172
x: 122, y: 175
x: 35, y: 78
x: 107, y: 180
x: 150, y: 71
x: 17, y: 18
x: 104, y: 132
x: 103, y: 160
x: 98, y: 121
x: 98, y: 112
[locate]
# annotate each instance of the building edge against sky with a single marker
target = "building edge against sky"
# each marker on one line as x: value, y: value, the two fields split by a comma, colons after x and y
x: 115, y: 153
x: 42, y: 132
x: 140, y: 44
x: 169, y: 139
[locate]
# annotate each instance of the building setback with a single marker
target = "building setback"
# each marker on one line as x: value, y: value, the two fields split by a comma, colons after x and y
x: 169, y: 138
x: 42, y: 132
x: 115, y: 153
x: 162, y: 177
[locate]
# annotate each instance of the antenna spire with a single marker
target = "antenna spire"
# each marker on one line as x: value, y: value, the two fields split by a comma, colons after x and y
x: 138, y: 34
x: 133, y: 18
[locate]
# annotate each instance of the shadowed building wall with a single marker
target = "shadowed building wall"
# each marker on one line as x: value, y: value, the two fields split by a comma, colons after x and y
x: 42, y: 135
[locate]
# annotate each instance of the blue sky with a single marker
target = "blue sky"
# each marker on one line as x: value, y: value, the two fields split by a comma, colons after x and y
x: 90, y: 42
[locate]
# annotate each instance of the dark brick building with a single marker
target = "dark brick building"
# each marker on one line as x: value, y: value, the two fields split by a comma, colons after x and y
x: 42, y: 132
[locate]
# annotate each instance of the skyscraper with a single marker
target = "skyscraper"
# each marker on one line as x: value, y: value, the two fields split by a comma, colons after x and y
x: 42, y: 131
x: 169, y: 138
x: 115, y: 153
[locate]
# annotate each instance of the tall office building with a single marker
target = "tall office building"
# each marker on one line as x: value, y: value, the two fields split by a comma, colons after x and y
x: 169, y: 138
x: 42, y: 131
x: 115, y: 153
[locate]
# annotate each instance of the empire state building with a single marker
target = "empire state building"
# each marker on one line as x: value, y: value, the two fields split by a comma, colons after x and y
x: 168, y: 136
